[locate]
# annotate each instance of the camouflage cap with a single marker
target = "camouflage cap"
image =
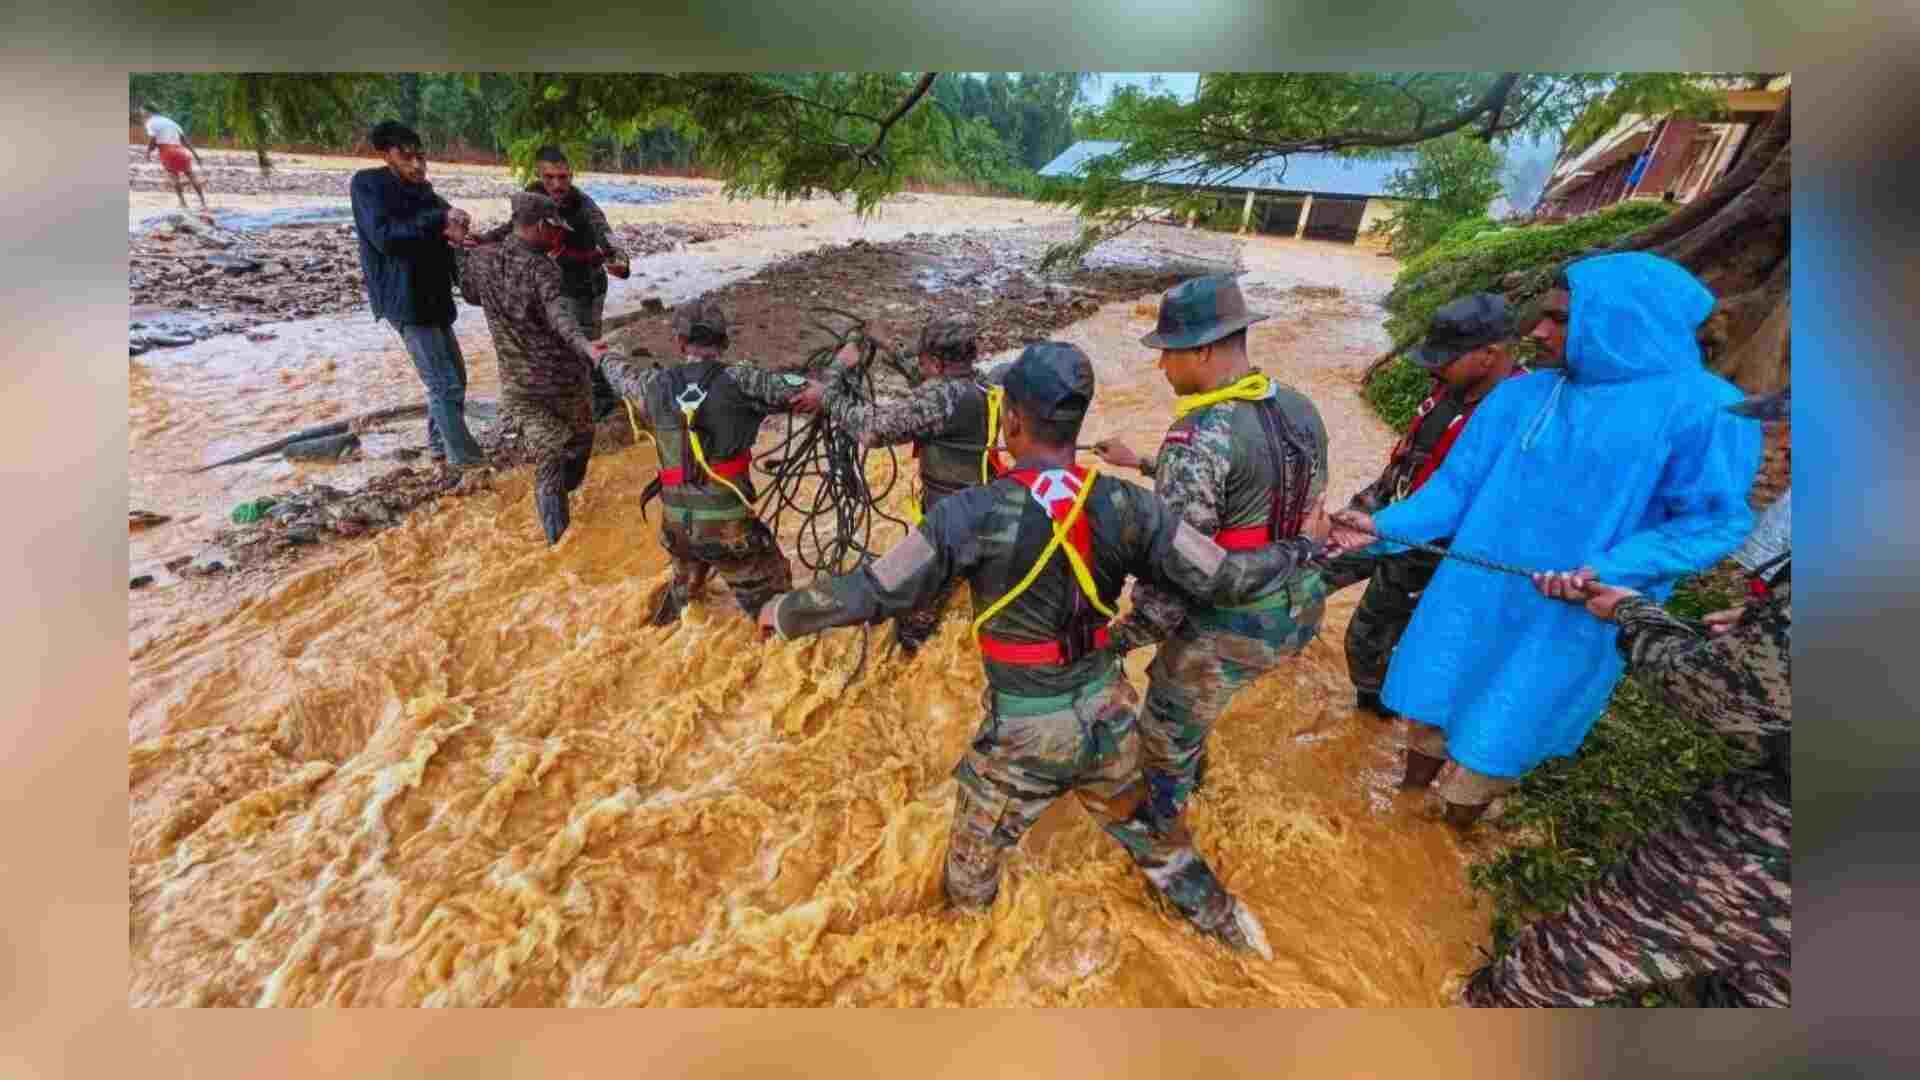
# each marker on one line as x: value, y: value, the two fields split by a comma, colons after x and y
x: 1051, y: 381
x: 700, y: 318
x: 1766, y: 408
x: 1200, y: 312
x: 535, y: 208
x: 952, y: 339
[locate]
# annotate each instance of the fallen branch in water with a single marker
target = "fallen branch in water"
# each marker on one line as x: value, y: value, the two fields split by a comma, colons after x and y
x: 356, y: 424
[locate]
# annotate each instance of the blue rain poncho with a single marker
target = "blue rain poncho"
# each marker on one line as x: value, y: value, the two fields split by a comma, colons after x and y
x: 1626, y: 462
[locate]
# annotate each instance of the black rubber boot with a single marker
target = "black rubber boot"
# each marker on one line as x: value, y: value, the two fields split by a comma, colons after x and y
x: 553, y: 514
x: 671, y: 604
x: 1421, y: 770
x: 1369, y: 701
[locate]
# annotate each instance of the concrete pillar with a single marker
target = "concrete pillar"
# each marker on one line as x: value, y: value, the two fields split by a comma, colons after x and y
x: 1246, y: 214
x: 1300, y: 229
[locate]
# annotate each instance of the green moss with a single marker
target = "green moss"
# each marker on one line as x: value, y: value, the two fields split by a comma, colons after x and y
x: 1397, y: 391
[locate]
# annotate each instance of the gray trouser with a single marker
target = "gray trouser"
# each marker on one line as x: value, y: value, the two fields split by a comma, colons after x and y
x: 436, y: 357
x: 589, y: 311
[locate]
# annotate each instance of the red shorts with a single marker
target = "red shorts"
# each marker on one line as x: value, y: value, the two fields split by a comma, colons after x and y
x: 176, y: 159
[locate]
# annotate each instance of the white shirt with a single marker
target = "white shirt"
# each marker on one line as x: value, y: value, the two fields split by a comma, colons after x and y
x: 163, y: 131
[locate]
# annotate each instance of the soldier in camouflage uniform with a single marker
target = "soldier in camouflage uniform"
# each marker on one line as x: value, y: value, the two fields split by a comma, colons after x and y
x: 1045, y: 550
x: 707, y: 408
x: 1244, y: 463
x: 1465, y: 352
x: 546, y: 361
x: 1714, y: 894
x: 946, y: 420
x: 588, y: 251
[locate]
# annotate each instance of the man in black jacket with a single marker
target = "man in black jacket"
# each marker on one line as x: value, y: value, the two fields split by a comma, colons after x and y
x: 408, y: 265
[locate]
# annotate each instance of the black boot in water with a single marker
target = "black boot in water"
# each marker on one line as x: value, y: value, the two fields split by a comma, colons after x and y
x: 1462, y: 816
x: 553, y: 514
x: 1369, y: 701
x: 1421, y: 770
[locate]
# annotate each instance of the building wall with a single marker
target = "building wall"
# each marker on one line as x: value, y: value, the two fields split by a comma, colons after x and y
x: 1672, y: 152
x: 1378, y: 210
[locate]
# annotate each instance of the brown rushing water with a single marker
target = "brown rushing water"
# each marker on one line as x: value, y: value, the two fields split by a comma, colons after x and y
x: 451, y: 766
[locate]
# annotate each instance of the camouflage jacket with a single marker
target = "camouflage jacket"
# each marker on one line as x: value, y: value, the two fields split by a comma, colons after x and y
x: 583, y: 272
x: 1738, y: 683
x: 1216, y: 471
x: 991, y: 534
x: 544, y: 353
x: 947, y: 411
x: 1442, y: 411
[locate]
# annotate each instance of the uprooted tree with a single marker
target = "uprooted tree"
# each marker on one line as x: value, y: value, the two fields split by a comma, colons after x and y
x: 1735, y: 236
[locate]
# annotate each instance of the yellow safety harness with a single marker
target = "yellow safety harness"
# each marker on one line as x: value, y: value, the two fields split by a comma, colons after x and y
x: 690, y: 400
x: 1059, y: 542
x: 996, y: 397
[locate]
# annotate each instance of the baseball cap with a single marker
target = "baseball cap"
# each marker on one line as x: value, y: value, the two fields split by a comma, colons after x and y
x: 701, y: 317
x: 534, y: 208
x: 1469, y: 323
x: 1051, y: 381
x: 953, y: 338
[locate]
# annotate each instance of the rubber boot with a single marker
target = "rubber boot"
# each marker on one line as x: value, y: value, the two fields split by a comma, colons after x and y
x: 671, y: 604
x: 1244, y: 932
x: 553, y: 514
x: 1369, y: 701
x: 1421, y: 770
x: 1462, y: 816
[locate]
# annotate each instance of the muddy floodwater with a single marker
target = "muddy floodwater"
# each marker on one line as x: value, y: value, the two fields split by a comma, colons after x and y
x: 447, y: 765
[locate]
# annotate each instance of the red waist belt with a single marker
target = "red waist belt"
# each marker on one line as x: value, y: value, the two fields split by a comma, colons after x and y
x: 1034, y: 652
x: 1245, y: 538
x: 732, y: 468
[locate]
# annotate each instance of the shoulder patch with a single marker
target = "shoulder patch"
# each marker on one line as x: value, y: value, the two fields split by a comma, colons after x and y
x: 1179, y: 435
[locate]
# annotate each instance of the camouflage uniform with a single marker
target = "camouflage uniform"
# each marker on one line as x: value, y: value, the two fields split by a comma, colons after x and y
x: 945, y: 418
x: 583, y: 276
x: 1054, y: 727
x: 706, y: 526
x: 1216, y: 470
x: 545, y: 360
x: 1713, y: 894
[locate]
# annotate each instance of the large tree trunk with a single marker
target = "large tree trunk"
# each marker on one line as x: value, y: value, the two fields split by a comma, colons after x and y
x: 1737, y: 238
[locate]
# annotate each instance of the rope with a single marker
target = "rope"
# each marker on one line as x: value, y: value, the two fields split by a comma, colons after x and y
x: 1252, y: 387
x: 1459, y: 556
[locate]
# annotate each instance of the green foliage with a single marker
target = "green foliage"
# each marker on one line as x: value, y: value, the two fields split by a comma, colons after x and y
x: 1397, y: 391
x: 1648, y: 94
x: 1453, y: 180
x: 1573, y: 818
x: 1476, y: 261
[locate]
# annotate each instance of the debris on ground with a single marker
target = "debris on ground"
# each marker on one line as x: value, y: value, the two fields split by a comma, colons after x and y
x: 224, y: 281
x: 140, y: 581
x: 144, y: 519
x: 251, y: 511
x: 238, y: 175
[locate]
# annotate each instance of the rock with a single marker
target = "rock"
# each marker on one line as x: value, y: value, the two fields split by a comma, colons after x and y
x: 259, y: 336
x: 169, y: 341
x: 208, y: 562
x: 145, y: 519
x: 233, y: 264
x: 325, y: 448
x: 136, y: 346
x: 272, y: 269
x: 140, y: 582
x: 175, y: 565
x: 653, y: 304
x: 303, y: 534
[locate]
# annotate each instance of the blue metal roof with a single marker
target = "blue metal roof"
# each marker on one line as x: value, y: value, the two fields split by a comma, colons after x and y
x: 1318, y: 174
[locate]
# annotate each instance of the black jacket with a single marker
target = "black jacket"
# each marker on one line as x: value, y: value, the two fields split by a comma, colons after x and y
x: 406, y: 261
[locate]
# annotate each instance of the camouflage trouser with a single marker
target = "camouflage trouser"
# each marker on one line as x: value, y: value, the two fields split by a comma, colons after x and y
x: 1394, y: 584
x: 558, y: 437
x: 1714, y: 894
x: 1031, y: 751
x: 1212, y: 654
x: 744, y: 552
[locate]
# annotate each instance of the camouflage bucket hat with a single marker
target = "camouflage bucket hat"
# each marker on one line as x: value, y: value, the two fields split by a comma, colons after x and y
x: 1766, y: 408
x: 1052, y: 381
x: 533, y: 208
x: 1200, y: 312
x: 701, y: 318
x: 951, y: 339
